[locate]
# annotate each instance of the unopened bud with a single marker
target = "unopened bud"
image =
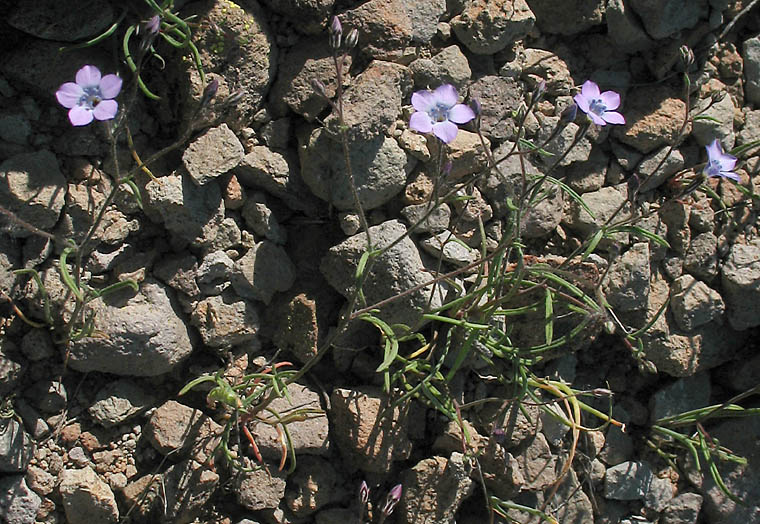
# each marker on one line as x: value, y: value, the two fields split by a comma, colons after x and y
x: 336, y: 32
x: 394, y: 495
x: 209, y: 92
x: 235, y: 97
x: 633, y: 185
x: 717, y: 96
x: 687, y: 55
x: 364, y: 492
x: 568, y: 114
x: 538, y: 92
x: 352, y: 38
x: 601, y: 392
x: 319, y: 87
x: 475, y: 106
x: 149, y: 30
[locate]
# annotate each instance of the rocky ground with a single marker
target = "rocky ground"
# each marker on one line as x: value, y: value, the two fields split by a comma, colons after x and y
x: 248, y: 243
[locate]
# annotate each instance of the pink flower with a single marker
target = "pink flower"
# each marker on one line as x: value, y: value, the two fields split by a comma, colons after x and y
x: 90, y: 97
x: 599, y: 106
x: 720, y: 164
x: 439, y: 111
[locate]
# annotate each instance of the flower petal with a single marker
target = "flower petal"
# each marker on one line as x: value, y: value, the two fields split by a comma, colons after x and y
x: 714, y: 150
x: 110, y: 85
x: 423, y: 101
x: 68, y: 94
x: 597, y: 119
x: 727, y: 162
x: 106, y: 109
x: 582, y: 102
x: 446, y: 131
x: 461, y: 114
x: 88, y: 76
x: 421, y: 122
x: 613, y: 117
x: 446, y: 95
x: 590, y: 90
x: 731, y: 175
x: 80, y: 116
x: 611, y: 100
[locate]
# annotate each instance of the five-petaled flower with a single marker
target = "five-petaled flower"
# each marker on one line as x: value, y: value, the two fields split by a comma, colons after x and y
x: 720, y: 164
x: 90, y: 97
x: 600, y: 107
x: 439, y: 111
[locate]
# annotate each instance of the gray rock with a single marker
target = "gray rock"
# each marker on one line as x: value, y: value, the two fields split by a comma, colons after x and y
x: 9, y: 260
x: 618, y: 446
x: 561, y: 143
x: 261, y: 220
x: 262, y: 271
x: 603, y: 204
x: 311, y: 486
x: 183, y: 431
x: 466, y: 154
x: 589, y: 176
x: 751, y: 129
x: 537, y: 464
x: 213, y: 275
x: 487, y: 27
x: 34, y: 189
x: 18, y: 503
x: 225, y: 320
x: 16, y: 448
x: 543, y: 218
x: 178, y: 272
x: 448, y: 248
x: 751, y: 56
x: 15, y: 128
x: 399, y: 269
x: 188, y: 486
x: 574, y: 505
x: 308, y: 16
x: 33, y: 421
x: 693, y: 303
x: 705, y: 131
x: 119, y: 401
x: 144, y: 335
x: 675, y: 215
x: 47, y: 395
x: 86, y: 498
x: 539, y: 64
x: 685, y: 394
x: 450, y: 66
x: 189, y: 212
x: 664, y: 18
x: 498, y: 96
x: 437, y: 221
x: 649, y: 114
x: 627, y: 285
x: 276, y: 133
x: 279, y: 176
x: 373, y: 101
x: 310, y: 436
x: 434, y: 489
x: 637, y: 481
x: 567, y: 18
x: 683, y: 509
x: 702, y: 257
x: 624, y: 28
x: 212, y: 154
x: 37, y: 345
x: 655, y: 169
x: 368, y: 434
x: 260, y: 489
x: 379, y: 167
x: 740, y: 280
x: 51, y: 20
x: 10, y: 370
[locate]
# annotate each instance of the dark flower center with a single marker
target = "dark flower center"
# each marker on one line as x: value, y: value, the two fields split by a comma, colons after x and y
x: 439, y: 112
x: 91, y: 97
x: 713, y: 168
x: 597, y: 107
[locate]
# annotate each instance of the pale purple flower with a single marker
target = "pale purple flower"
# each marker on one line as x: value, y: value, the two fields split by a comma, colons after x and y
x: 90, y: 97
x: 720, y: 164
x: 439, y: 111
x: 600, y: 107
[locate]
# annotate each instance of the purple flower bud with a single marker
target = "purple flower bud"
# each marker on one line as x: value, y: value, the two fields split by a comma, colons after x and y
x: 149, y: 29
x: 319, y: 87
x: 336, y: 32
x: 568, y: 114
x: 394, y: 495
x: 475, y: 106
x: 364, y: 492
x: 209, y: 92
x: 687, y: 55
x: 538, y: 91
x: 352, y: 38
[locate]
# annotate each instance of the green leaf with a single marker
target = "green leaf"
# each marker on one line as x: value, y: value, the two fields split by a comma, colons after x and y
x: 549, y: 315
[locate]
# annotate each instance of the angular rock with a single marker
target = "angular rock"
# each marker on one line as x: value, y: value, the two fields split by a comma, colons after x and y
x: 627, y: 285
x: 225, y: 320
x: 433, y: 490
x: 574, y: 505
x: 190, y: 212
x: 18, y: 503
x: 51, y: 20
x: 260, y: 489
x: 373, y: 101
x: 399, y: 269
x: 119, y: 401
x: 188, y: 486
x: 310, y: 16
x: 559, y: 146
x: 261, y: 220
x: 651, y: 115
x: 262, y: 271
x: 37, y: 345
x: 144, y: 335
x: 214, y: 272
x: 624, y: 28
x: 178, y: 272
x: 701, y: 259
x: 369, y: 437
x: 693, y: 303
x: 651, y: 177
x: 636, y: 481
x: 537, y: 464
x: 379, y: 167
x: 212, y: 154
x: 663, y: 18
x: 567, y: 17
x: 33, y: 189
x: 682, y: 509
x: 16, y: 447
x: 603, y: 204
x: 312, y: 486
x: 437, y: 221
x: 465, y: 153
x: 449, y: 66
x: 498, y: 96
x: 685, y: 394
x: 487, y: 27
x: 740, y: 281
x: 310, y: 436
x: 87, y: 498
x: 542, y: 65
x: 705, y: 131
x: 185, y: 431
x: 447, y: 247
